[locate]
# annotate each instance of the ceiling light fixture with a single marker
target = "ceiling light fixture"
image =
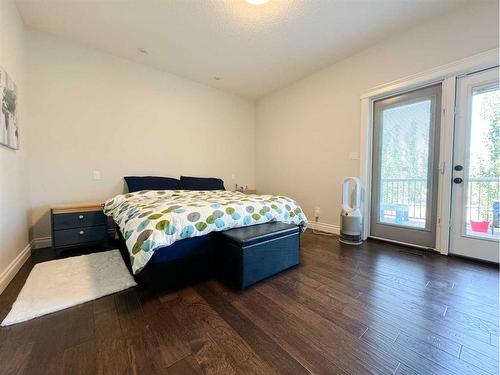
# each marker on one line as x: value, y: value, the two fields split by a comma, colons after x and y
x: 257, y: 2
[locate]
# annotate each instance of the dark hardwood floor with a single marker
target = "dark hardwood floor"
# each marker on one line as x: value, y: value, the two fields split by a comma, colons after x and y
x: 379, y: 308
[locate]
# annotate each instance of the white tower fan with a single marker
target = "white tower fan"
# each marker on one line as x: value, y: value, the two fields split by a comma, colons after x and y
x: 351, y: 220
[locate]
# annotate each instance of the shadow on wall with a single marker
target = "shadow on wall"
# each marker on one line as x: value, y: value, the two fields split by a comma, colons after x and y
x: 39, y: 229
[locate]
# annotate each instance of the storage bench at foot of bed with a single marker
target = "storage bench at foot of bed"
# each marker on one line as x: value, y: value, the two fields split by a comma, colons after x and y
x: 250, y: 254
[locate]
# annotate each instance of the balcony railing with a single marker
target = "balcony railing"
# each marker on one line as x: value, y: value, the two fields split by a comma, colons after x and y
x: 482, y: 192
x: 411, y: 193
x: 408, y: 192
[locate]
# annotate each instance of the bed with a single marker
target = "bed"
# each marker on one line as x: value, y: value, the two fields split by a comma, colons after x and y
x: 170, y: 223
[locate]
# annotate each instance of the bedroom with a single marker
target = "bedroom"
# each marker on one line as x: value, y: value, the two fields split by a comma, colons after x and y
x: 278, y: 98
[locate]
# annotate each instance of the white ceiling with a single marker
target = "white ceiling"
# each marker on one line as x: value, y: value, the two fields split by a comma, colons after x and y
x: 254, y: 49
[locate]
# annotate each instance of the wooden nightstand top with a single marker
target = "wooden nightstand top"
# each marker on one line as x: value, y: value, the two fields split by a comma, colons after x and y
x: 248, y: 191
x: 77, y: 207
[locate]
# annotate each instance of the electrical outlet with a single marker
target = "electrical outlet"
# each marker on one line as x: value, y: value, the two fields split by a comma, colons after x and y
x: 316, y: 212
x: 96, y: 175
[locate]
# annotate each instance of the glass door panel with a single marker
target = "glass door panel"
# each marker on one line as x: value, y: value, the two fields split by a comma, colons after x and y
x: 404, y: 164
x: 405, y: 151
x: 483, y: 166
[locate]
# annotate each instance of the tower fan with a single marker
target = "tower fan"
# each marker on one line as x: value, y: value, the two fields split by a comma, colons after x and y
x: 351, y: 220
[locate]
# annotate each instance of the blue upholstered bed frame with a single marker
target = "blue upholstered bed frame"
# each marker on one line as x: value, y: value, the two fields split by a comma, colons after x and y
x: 182, y: 263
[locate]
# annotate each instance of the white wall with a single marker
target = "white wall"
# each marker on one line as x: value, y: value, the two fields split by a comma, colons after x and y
x: 14, y: 200
x: 89, y: 111
x: 304, y: 132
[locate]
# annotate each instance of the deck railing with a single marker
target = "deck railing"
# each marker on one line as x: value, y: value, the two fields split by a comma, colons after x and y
x: 412, y: 193
x: 482, y: 192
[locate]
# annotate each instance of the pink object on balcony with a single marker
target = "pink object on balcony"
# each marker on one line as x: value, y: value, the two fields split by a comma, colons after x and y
x: 480, y: 226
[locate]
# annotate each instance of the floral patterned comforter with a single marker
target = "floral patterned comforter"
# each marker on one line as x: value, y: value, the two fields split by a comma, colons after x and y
x: 151, y: 219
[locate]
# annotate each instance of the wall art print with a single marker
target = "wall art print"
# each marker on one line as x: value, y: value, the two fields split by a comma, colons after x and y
x: 9, y: 131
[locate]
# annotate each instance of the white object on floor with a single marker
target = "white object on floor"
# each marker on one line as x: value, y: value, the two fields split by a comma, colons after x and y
x: 59, y: 284
x: 351, y: 220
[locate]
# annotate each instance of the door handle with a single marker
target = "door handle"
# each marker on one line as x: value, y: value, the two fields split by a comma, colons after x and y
x: 457, y: 180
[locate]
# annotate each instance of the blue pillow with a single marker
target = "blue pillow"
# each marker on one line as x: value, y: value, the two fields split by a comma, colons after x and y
x: 151, y: 183
x: 201, y: 183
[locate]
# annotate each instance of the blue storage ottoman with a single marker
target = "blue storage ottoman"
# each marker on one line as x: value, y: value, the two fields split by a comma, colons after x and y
x: 250, y: 254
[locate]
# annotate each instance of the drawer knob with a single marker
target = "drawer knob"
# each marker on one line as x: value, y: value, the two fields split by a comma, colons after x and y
x: 82, y: 233
x: 80, y: 217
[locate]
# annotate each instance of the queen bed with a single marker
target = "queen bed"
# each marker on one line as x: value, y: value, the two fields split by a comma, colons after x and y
x: 167, y: 228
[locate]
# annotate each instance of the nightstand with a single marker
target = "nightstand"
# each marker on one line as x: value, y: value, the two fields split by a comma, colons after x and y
x: 248, y: 191
x: 78, y: 225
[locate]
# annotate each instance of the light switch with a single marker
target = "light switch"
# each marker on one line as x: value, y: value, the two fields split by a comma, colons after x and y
x: 96, y: 175
x: 353, y: 155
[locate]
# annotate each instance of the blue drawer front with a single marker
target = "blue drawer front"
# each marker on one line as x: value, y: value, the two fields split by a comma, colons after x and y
x: 78, y: 236
x: 79, y: 219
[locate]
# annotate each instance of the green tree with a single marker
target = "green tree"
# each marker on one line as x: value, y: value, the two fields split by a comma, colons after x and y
x: 488, y: 192
x: 404, y: 157
x: 490, y: 111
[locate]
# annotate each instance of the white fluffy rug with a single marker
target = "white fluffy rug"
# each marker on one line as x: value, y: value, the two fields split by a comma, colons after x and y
x: 59, y: 284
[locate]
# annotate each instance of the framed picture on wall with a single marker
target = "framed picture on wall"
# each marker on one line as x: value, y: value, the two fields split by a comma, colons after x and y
x: 9, y: 130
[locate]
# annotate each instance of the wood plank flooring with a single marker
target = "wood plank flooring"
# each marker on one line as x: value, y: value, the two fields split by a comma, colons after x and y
x: 378, y: 308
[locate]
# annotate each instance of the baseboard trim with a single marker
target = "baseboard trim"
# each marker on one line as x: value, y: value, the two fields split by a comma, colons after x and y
x: 42, y: 242
x: 13, y: 268
x: 324, y: 227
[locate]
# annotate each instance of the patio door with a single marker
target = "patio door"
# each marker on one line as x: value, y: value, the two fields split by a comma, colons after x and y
x: 476, y: 175
x: 405, y: 167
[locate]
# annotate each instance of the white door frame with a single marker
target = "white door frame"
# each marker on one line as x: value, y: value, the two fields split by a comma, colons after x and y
x: 447, y: 74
